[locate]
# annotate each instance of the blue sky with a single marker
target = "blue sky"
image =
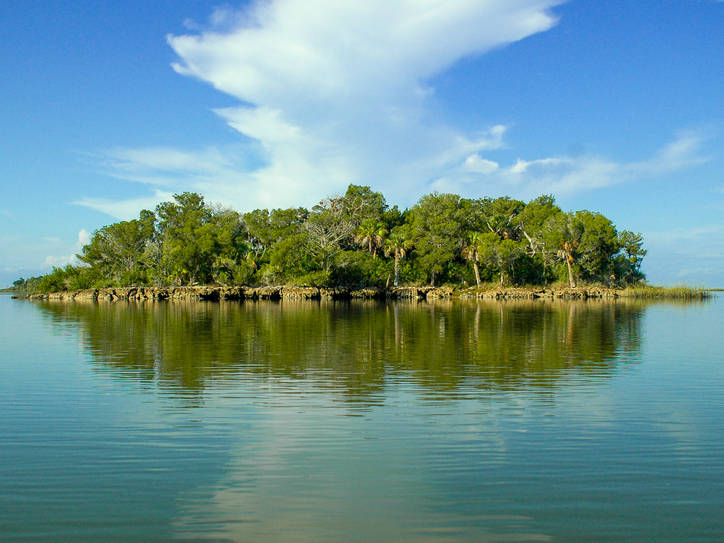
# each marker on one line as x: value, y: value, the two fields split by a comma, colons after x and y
x: 110, y: 107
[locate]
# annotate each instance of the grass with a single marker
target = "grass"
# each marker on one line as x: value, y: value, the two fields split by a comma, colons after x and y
x: 681, y: 292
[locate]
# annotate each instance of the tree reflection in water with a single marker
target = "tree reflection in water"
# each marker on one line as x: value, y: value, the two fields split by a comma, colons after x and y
x: 354, y: 347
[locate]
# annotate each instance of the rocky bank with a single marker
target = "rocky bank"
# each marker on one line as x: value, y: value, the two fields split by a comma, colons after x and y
x: 238, y: 293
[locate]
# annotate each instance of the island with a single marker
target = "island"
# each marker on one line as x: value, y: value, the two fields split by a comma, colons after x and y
x: 356, y: 246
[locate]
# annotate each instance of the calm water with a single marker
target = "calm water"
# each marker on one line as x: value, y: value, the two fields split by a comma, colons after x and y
x: 361, y: 422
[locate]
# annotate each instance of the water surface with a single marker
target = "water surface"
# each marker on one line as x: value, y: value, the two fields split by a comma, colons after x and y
x: 307, y: 421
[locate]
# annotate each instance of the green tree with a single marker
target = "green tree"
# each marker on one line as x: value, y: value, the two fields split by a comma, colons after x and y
x: 471, y: 252
x: 531, y: 220
x: 632, y: 252
x: 501, y: 215
x: 189, y: 236
x: 501, y: 254
x: 120, y: 251
x: 397, y: 245
x: 328, y: 229
x: 562, y: 235
x: 371, y: 234
x: 266, y: 228
x: 437, y: 231
x: 187, y: 241
x: 360, y: 203
x: 598, y: 245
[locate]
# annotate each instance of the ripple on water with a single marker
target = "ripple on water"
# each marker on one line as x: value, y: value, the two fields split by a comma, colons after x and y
x: 362, y: 422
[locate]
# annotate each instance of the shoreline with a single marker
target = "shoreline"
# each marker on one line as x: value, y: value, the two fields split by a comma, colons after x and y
x: 241, y: 293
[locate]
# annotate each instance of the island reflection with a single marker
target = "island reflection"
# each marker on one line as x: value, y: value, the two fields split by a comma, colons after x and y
x: 354, y: 347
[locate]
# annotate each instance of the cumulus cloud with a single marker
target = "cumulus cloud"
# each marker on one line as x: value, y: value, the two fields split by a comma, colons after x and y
x: 83, y: 238
x: 330, y: 93
x: 336, y: 92
x: 477, y: 164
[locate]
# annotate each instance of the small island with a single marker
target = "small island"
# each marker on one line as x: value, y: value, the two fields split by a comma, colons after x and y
x: 356, y: 246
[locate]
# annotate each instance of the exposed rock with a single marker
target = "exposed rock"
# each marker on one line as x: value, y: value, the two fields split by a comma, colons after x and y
x: 238, y: 293
x: 407, y: 293
x: 439, y: 292
x: 232, y: 293
x: 367, y: 294
x: 334, y: 294
x: 300, y: 293
x: 578, y: 293
x: 264, y: 293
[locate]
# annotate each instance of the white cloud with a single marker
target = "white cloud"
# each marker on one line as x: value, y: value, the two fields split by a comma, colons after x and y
x: 167, y: 167
x: 684, y: 151
x: 335, y: 92
x: 124, y: 209
x: 338, y: 93
x: 522, y: 166
x: 477, y: 164
x: 566, y: 175
x: 83, y: 238
x: 461, y: 168
x: 59, y: 261
x: 330, y: 93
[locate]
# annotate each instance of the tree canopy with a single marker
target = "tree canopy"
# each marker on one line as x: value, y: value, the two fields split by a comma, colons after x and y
x: 357, y: 239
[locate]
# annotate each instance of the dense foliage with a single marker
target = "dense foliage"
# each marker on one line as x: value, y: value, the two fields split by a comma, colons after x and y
x: 356, y: 240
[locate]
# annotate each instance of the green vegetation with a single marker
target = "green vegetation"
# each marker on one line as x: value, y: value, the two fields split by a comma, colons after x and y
x: 678, y: 292
x: 356, y: 240
x: 516, y: 345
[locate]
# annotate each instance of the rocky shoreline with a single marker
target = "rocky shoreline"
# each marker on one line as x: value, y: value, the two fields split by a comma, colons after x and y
x: 240, y: 293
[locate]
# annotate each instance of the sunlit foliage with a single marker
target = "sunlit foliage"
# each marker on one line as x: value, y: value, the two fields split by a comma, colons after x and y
x: 356, y: 240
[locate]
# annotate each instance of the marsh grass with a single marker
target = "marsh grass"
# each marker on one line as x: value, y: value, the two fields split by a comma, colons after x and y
x: 677, y: 292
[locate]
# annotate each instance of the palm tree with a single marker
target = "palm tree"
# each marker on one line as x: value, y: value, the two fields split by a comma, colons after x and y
x: 563, y: 234
x: 371, y: 234
x: 471, y: 252
x: 397, y: 244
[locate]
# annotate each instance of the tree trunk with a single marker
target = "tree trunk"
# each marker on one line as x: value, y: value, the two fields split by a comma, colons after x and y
x: 477, y: 273
x: 530, y: 241
x: 374, y: 252
x: 397, y: 268
x: 502, y: 277
x: 432, y: 280
x: 570, y: 273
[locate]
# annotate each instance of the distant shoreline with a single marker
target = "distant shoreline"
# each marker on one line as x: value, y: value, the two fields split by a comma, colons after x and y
x: 240, y: 293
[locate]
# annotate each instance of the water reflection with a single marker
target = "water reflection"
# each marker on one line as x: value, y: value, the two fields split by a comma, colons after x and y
x: 354, y: 348
x: 473, y: 422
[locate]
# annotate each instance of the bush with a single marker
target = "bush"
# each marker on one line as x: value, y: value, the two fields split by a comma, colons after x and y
x: 312, y: 279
